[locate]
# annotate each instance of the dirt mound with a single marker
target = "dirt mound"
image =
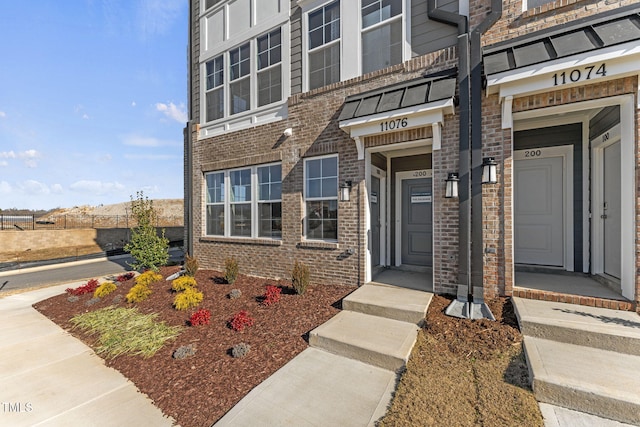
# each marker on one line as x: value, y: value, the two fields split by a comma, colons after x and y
x: 164, y: 208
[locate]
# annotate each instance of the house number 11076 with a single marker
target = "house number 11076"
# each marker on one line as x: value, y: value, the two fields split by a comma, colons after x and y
x: 577, y: 74
x: 394, y: 124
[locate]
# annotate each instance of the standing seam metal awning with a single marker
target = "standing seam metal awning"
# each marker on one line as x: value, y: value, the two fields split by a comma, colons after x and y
x: 417, y: 103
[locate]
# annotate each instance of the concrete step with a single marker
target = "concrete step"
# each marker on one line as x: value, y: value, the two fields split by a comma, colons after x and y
x: 598, y: 382
x: 378, y: 341
x: 556, y: 416
x: 392, y: 302
x: 601, y: 328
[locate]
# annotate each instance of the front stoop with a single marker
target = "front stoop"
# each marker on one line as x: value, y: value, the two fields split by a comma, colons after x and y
x: 583, y: 358
x: 407, y: 305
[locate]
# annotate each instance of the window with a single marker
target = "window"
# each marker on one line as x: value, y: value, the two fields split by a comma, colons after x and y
x: 229, y: 89
x: 269, y: 201
x: 240, y: 87
x: 254, y: 192
x: 211, y: 3
x: 321, y: 198
x: 381, y: 34
x: 215, y: 88
x: 324, y: 45
x: 269, y: 69
x: 215, y: 204
x: 532, y: 4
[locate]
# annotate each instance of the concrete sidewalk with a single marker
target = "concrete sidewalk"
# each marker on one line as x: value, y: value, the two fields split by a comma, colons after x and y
x: 50, y: 378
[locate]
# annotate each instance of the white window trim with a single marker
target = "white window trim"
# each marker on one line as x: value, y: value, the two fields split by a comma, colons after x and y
x: 404, y: 16
x: 307, y: 8
x: 227, y: 202
x: 306, y: 199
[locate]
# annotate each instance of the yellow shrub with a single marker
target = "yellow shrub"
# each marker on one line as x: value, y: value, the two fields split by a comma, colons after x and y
x: 187, y: 299
x: 105, y: 289
x: 138, y: 293
x: 148, y: 277
x: 182, y: 283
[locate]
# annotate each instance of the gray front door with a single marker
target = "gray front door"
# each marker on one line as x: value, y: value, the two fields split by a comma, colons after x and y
x: 417, y: 222
x: 375, y: 221
x: 611, y: 210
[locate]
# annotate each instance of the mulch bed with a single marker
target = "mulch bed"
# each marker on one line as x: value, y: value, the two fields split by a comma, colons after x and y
x: 200, y: 389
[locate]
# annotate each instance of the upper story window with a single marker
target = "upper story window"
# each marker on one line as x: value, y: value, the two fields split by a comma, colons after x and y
x: 381, y: 34
x: 211, y: 3
x: 324, y: 45
x: 246, y: 77
x: 321, y: 198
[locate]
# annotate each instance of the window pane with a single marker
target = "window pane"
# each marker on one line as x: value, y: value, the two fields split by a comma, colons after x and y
x: 263, y: 43
x: 382, y: 47
x: 265, y: 193
x: 324, y: 67
x: 269, y: 86
x: 316, y: 38
x: 215, y: 104
x: 240, y: 99
x: 215, y: 72
x: 240, y: 185
x: 215, y: 187
x: 241, y: 220
x: 316, y: 19
x: 314, y: 188
x: 276, y: 191
x: 215, y: 220
x: 374, y: 11
x: 270, y: 221
x: 313, y: 168
x: 330, y: 187
x: 210, y: 3
x: 314, y: 220
x: 330, y: 167
x: 269, y: 179
x: 322, y: 220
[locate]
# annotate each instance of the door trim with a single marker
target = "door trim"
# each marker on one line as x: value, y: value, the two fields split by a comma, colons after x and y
x: 566, y: 152
x: 598, y: 145
x: 382, y: 206
x: 401, y: 176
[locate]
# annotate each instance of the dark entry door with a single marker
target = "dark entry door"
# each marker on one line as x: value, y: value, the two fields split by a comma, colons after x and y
x: 375, y: 221
x: 417, y: 222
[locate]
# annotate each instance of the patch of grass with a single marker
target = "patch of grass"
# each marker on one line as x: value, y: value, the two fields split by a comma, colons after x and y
x: 126, y: 331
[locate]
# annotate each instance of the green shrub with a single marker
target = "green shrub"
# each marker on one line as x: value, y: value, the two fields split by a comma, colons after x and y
x: 105, y: 289
x: 148, y: 277
x: 190, y: 266
x: 182, y: 283
x: 149, y: 250
x: 231, y: 270
x: 300, y: 277
x: 138, y: 293
x: 188, y: 299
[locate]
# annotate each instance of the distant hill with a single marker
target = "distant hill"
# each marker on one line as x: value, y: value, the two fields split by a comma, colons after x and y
x: 163, y: 207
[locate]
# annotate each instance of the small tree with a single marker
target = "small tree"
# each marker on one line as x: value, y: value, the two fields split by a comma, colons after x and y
x: 149, y: 250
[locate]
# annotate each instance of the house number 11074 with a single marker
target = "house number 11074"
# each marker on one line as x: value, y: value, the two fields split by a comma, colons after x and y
x: 577, y: 74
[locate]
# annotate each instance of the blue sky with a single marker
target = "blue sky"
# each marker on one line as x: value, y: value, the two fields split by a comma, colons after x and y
x: 92, y: 101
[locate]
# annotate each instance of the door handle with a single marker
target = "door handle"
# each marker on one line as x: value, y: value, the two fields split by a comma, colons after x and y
x: 603, y: 216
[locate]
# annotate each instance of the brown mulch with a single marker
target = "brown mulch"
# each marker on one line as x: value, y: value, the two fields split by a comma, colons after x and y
x: 198, y: 390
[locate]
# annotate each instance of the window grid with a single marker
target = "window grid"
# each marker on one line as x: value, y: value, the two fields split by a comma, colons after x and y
x: 270, y: 70
x: 381, y: 34
x: 321, y: 198
x: 324, y: 45
x: 215, y: 203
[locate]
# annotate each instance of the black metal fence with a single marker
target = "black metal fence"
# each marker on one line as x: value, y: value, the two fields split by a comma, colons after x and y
x: 62, y: 222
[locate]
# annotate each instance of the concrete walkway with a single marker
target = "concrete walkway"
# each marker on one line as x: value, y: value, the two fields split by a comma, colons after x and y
x: 583, y: 361
x: 347, y: 377
x: 50, y: 378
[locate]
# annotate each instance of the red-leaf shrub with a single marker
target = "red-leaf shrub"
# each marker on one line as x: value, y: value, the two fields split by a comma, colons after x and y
x: 88, y: 288
x: 271, y: 295
x: 240, y: 321
x: 125, y: 276
x: 200, y: 317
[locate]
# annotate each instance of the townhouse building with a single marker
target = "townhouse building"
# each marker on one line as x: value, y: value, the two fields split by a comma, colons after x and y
x: 468, y: 144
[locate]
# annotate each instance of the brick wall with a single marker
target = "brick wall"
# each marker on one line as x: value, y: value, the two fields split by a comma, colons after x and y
x: 313, y: 118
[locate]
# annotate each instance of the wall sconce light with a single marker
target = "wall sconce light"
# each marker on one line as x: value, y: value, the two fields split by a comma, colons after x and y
x: 345, y: 189
x: 489, y: 175
x: 451, y: 189
x: 288, y: 132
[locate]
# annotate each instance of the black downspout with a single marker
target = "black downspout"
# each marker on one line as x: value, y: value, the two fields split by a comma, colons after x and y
x: 464, y: 230
x: 188, y: 152
x: 477, y: 250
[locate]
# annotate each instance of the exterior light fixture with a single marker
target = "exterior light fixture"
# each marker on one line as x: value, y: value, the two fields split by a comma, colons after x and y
x: 345, y: 189
x: 451, y: 189
x: 288, y: 132
x: 489, y: 175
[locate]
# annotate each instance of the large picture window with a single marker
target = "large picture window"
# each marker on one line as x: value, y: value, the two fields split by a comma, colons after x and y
x: 321, y: 198
x: 381, y: 34
x: 324, y: 45
x: 253, y: 207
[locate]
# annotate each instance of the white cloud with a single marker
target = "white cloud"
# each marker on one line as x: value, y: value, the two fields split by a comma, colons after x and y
x: 133, y: 103
x: 85, y: 116
x: 29, y: 157
x: 34, y: 187
x: 7, y: 154
x: 173, y: 111
x: 5, y: 187
x: 3, y: 114
x: 57, y: 189
x: 4, y: 163
x: 96, y: 187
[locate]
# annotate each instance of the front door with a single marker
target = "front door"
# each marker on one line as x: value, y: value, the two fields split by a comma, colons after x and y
x: 416, y: 229
x: 539, y: 209
x: 611, y: 209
